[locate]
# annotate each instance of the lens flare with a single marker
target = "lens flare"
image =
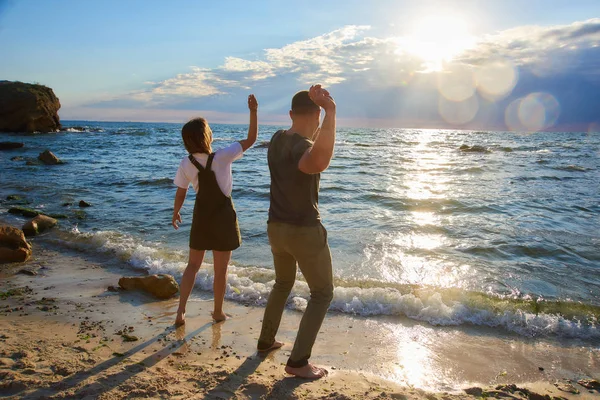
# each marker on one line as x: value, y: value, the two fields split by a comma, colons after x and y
x: 458, y: 112
x: 538, y: 111
x: 457, y: 84
x: 496, y: 79
x: 534, y: 112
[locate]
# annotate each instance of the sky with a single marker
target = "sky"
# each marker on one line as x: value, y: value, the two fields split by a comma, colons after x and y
x: 466, y: 64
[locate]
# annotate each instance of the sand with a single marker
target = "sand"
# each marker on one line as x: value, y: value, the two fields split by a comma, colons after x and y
x: 64, y: 335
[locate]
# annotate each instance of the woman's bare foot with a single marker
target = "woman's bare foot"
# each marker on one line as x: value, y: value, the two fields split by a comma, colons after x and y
x: 180, y: 320
x: 309, y: 371
x: 274, y: 346
x: 220, y: 317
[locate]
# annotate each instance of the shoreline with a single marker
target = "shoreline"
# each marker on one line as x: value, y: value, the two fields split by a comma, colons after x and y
x: 73, y: 319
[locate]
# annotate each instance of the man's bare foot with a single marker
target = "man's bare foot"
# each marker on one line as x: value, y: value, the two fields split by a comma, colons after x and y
x: 220, y: 317
x: 309, y: 371
x: 180, y: 320
x: 274, y: 346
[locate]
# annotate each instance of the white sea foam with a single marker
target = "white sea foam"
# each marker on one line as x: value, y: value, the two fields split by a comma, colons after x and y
x: 253, y: 285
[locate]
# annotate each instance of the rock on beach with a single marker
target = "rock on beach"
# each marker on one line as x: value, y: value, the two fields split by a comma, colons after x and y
x: 161, y: 286
x: 39, y: 224
x: 13, y: 246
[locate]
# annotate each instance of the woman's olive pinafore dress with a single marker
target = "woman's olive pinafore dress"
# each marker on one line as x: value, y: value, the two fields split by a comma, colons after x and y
x: 215, y: 225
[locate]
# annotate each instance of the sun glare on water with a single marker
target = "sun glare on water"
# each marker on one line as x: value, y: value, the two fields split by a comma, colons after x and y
x: 437, y: 39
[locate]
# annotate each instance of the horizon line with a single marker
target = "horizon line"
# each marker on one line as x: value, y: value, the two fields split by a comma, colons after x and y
x: 356, y: 127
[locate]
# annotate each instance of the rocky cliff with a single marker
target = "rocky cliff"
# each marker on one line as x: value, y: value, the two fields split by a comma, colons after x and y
x: 28, y: 107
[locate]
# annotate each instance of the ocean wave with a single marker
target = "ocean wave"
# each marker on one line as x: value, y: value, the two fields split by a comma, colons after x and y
x: 259, y: 193
x: 80, y: 129
x: 537, y: 178
x: 436, y: 306
x: 263, y: 145
x: 155, y: 182
x: 130, y: 132
x: 442, y: 205
x: 574, y: 168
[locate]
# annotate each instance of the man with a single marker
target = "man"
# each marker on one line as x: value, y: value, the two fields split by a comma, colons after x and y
x: 295, y: 231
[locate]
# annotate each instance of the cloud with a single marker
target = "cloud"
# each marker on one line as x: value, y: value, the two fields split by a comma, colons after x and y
x: 382, y: 79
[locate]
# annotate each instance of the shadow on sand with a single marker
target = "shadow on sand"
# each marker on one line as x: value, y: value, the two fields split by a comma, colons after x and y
x: 111, y: 381
x: 238, y: 381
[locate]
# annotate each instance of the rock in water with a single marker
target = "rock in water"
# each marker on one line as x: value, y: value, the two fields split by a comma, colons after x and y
x: 161, y: 286
x: 48, y: 158
x: 474, y: 149
x: 24, y: 211
x: 474, y: 391
x: 591, y: 384
x: 13, y: 246
x: 10, y: 145
x: 83, y: 203
x: 28, y: 271
x: 28, y: 107
x: 38, y: 225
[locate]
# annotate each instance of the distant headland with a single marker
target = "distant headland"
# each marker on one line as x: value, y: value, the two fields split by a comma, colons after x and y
x: 26, y: 107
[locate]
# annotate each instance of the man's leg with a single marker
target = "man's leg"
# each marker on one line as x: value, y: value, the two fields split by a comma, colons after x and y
x: 285, y: 276
x: 314, y: 260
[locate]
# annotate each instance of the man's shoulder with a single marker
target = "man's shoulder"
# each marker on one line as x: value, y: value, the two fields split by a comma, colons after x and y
x: 293, y: 139
x: 277, y: 134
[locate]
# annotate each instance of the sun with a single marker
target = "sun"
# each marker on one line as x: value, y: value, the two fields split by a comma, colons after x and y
x: 437, y: 39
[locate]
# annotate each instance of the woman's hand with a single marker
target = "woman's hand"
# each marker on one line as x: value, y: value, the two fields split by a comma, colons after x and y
x: 253, y: 126
x: 176, y: 220
x: 252, y: 103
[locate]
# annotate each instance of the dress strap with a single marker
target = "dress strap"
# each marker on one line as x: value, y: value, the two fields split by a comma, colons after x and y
x: 196, y: 163
x: 210, y: 160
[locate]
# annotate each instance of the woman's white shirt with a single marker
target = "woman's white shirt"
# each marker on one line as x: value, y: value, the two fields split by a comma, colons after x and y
x: 187, y: 173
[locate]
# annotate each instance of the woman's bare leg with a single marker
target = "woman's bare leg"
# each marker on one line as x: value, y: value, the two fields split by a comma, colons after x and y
x: 221, y: 261
x: 187, y: 282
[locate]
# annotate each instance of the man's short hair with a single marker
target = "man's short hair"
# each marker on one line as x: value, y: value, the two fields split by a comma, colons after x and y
x: 302, y: 104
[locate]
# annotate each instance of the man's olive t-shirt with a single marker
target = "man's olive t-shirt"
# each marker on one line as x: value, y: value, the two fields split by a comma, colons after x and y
x: 294, y: 194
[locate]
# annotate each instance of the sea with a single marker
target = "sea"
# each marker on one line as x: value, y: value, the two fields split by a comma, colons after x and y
x: 446, y: 227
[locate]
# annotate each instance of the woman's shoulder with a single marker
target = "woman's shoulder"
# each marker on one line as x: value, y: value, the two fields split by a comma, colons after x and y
x: 199, y: 157
x: 229, y: 153
x: 233, y: 147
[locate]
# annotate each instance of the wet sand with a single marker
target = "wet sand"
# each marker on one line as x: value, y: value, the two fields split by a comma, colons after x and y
x: 64, y: 335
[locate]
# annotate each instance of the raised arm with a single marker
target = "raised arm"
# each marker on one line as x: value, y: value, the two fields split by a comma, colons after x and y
x: 317, y: 158
x: 253, y: 128
x: 179, y: 199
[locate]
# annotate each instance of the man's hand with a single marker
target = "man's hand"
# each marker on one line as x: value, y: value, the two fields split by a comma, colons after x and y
x: 316, y: 159
x: 321, y: 97
x: 176, y: 220
x: 252, y: 103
